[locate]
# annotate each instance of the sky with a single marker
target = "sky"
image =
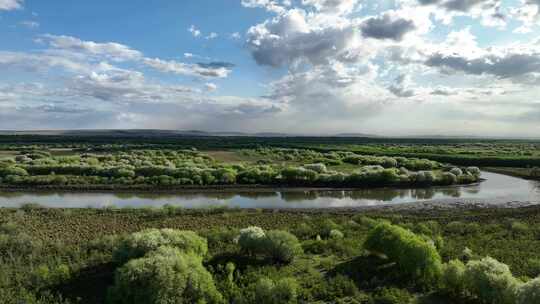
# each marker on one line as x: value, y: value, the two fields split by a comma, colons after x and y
x: 321, y: 67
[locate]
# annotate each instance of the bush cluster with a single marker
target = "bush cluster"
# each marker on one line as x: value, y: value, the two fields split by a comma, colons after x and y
x: 138, y: 168
x: 280, y: 246
x: 138, y: 244
x: 414, y: 256
x: 165, y: 275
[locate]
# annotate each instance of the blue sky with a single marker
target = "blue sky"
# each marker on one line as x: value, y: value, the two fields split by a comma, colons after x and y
x: 158, y: 28
x: 393, y: 67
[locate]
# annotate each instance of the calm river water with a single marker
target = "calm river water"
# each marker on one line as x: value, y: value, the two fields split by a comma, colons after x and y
x: 497, y: 189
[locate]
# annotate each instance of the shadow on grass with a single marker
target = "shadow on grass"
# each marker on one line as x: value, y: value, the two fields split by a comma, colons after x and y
x: 240, y: 261
x: 90, y: 285
x: 369, y: 272
x: 434, y: 298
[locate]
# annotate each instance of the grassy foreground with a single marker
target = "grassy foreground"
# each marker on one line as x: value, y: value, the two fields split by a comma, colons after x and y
x: 62, y: 255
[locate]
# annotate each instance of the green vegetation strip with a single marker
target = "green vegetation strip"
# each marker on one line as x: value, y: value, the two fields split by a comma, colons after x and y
x: 281, y: 256
x: 148, y: 169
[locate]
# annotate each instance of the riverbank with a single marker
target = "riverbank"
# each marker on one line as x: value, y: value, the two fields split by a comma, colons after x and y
x: 526, y: 173
x: 211, y: 188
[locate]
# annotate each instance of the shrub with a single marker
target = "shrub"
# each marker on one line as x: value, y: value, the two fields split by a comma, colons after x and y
x: 519, y: 228
x: 491, y: 281
x: 456, y: 171
x: 45, y: 275
x: 453, y: 278
x: 326, y: 227
x: 336, y: 287
x: 415, y: 258
x: 281, y: 292
x: 166, y: 275
x: 366, y: 221
x: 298, y: 175
x: 319, y: 168
x: 533, y: 267
x: 448, y: 178
x: 467, y: 179
x: 393, y: 296
x: 430, y: 177
x: 336, y: 234
x: 304, y: 231
x: 138, y: 244
x: 15, y: 171
x: 251, y: 240
x: 475, y: 171
x: 529, y: 293
x: 282, y: 246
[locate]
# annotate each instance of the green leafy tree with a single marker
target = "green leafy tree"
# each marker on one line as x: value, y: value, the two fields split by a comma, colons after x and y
x: 453, y: 278
x: 166, y: 275
x: 491, y: 281
x: 284, y: 291
x: 251, y: 240
x: 282, y: 246
x: 529, y: 293
x: 138, y: 244
x: 415, y: 257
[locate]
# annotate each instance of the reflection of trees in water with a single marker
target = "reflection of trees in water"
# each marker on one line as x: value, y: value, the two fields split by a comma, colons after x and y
x: 332, y: 194
x: 378, y: 194
x: 295, y: 196
x: 423, y: 193
x: 220, y: 195
x: 471, y: 190
x: 453, y: 192
x: 12, y: 194
x: 258, y: 194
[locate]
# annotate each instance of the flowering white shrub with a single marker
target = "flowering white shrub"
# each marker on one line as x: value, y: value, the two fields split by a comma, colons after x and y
x: 491, y: 281
x: 166, y: 275
x: 138, y: 244
x: 251, y: 239
x: 319, y: 168
x: 456, y: 171
x: 449, y: 178
x: 474, y: 171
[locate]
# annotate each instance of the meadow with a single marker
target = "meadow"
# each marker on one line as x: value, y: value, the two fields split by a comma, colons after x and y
x: 433, y: 255
x: 76, y: 256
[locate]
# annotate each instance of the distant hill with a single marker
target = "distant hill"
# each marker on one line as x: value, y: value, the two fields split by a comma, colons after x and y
x: 163, y: 133
x: 355, y: 135
x: 156, y: 133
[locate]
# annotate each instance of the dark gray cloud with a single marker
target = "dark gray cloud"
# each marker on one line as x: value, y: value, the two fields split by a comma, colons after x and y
x: 386, y: 27
x: 461, y: 5
x: 442, y: 92
x: 252, y: 110
x: 216, y: 65
x: 55, y: 108
x: 508, y: 65
x: 400, y: 87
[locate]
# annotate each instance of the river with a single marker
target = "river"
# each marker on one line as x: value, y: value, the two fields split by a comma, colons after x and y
x: 497, y: 188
